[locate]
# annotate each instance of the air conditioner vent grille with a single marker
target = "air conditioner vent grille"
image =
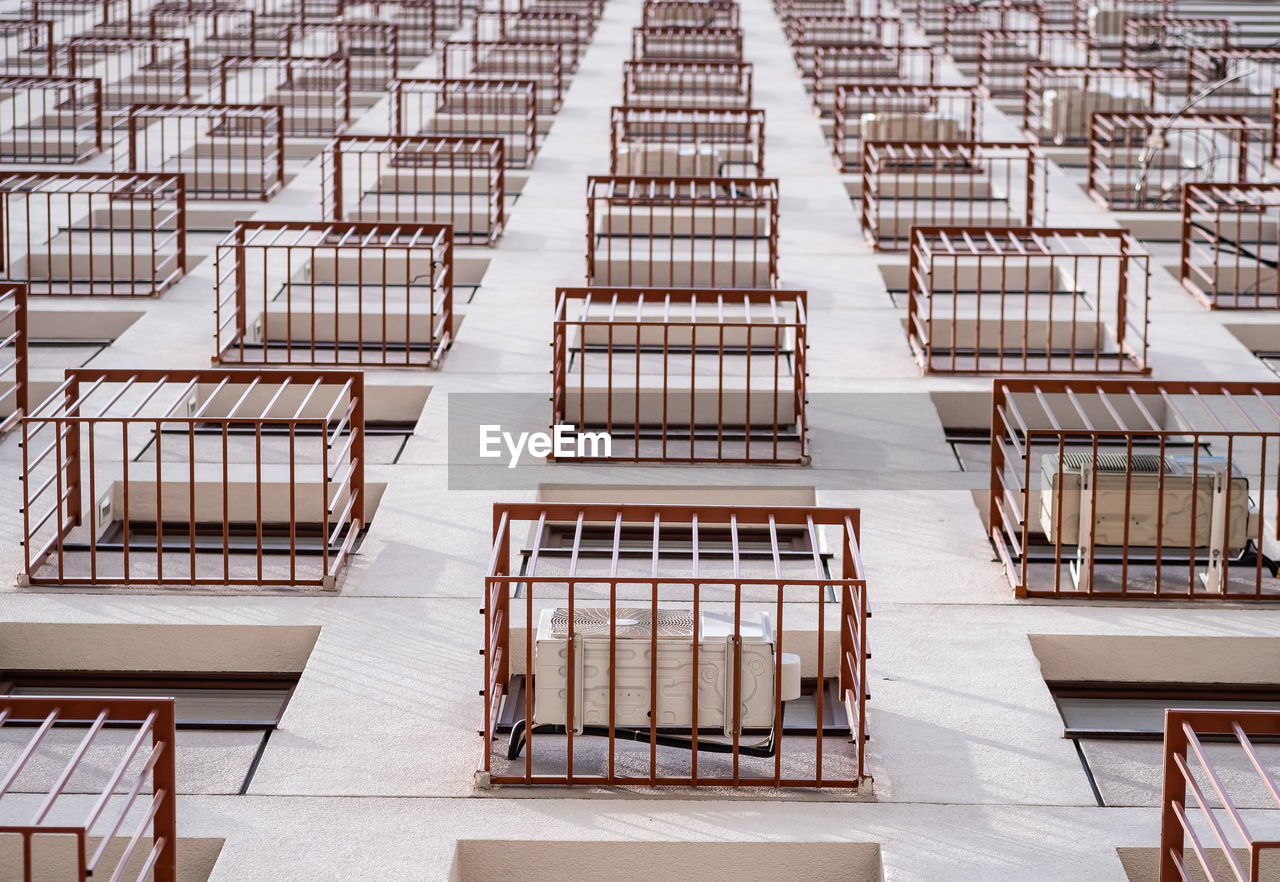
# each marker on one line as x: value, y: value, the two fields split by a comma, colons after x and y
x: 632, y: 621
x: 1143, y: 463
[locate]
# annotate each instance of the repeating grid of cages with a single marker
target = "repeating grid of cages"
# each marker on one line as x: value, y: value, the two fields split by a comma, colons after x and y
x: 690, y: 13
x: 114, y: 233
x: 963, y: 24
x: 604, y: 579
x: 59, y: 741
x: 539, y: 63
x: 205, y: 477
x: 1166, y: 43
x: 1022, y: 300
x: 14, y: 366
x: 315, y: 93
x: 833, y: 65
x: 683, y: 374
x: 73, y: 18
x: 1059, y: 100
x: 682, y: 232
x: 371, y: 48
x: 417, y: 179
x: 506, y: 109
x: 1229, y: 244
x: 570, y: 30
x: 1254, y: 76
x: 1141, y: 161
x: 686, y: 142
x: 1135, y: 488
x: 222, y: 151
x: 1106, y: 18
x: 1003, y: 57
x: 655, y: 43
x: 884, y: 111
x: 418, y: 23
x: 1203, y: 831
x: 27, y: 48
x: 949, y: 183
x: 52, y: 120
x: 218, y: 28
x: 1275, y: 127
x: 133, y: 70
x: 686, y: 84
x: 807, y: 35
x: 293, y: 292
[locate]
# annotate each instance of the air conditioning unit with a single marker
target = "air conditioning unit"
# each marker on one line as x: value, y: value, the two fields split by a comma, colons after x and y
x: 1137, y: 489
x: 676, y: 678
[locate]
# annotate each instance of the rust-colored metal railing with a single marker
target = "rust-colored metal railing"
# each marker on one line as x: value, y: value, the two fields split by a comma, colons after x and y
x: 222, y: 151
x: 807, y: 35
x: 682, y: 232
x: 507, y: 61
x: 1165, y: 42
x: 568, y: 29
x: 1136, y: 488
x: 371, y: 47
x: 218, y: 28
x: 1012, y: 300
x: 1141, y: 161
x: 115, y: 233
x: 27, y: 48
x: 417, y: 179
x: 654, y: 43
x: 683, y: 374
x: 14, y: 366
x: 207, y: 477
x: 418, y: 23
x: 315, y: 93
x: 1003, y: 57
x: 686, y: 142
x: 1255, y: 75
x: 833, y: 65
x: 133, y: 815
x: 686, y: 83
x: 1060, y: 100
x: 661, y: 642
x: 1203, y: 830
x: 690, y: 13
x: 330, y: 293
x: 506, y: 109
x: 882, y: 111
x: 989, y: 184
x: 1229, y: 244
x: 1106, y: 18
x: 133, y: 69
x: 964, y: 23
x: 52, y: 120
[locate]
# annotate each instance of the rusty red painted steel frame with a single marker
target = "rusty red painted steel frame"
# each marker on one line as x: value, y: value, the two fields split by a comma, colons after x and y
x: 24, y: 39
x: 1229, y: 252
x: 506, y: 109
x: 690, y: 13
x: 964, y: 23
x: 1003, y: 57
x: 687, y: 83
x: 723, y: 333
x: 949, y: 183
x: 1184, y: 751
x: 1275, y: 127
x: 1235, y: 426
x: 696, y: 142
x: 314, y: 92
x: 902, y: 112
x: 539, y: 63
x: 686, y: 44
x: 951, y: 267
x: 219, y: 28
x: 334, y: 293
x: 14, y: 363
x: 39, y: 107
x: 109, y: 12
x: 807, y: 35
x: 1080, y: 91
x: 789, y: 9
x: 158, y: 808
x: 1250, y: 95
x: 1165, y: 42
x: 417, y: 22
x: 1107, y: 22
x: 137, y: 69
x: 1224, y: 148
x: 222, y: 151
x: 371, y: 47
x: 88, y: 234
x: 851, y: 589
x: 417, y: 179
x: 74, y: 439
x: 681, y: 231
x: 835, y: 64
x: 570, y: 30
